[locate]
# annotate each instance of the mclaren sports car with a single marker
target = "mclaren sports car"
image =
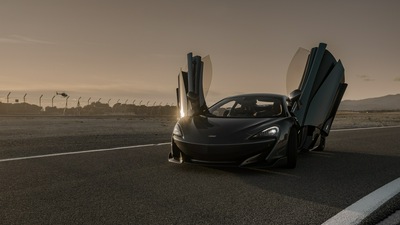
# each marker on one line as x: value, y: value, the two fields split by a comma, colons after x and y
x: 258, y: 128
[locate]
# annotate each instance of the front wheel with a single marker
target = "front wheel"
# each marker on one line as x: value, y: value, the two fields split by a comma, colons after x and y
x: 175, y: 155
x: 291, y: 149
x: 321, y: 145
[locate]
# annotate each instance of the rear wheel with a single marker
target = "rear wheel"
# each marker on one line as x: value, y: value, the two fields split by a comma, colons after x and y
x: 291, y: 149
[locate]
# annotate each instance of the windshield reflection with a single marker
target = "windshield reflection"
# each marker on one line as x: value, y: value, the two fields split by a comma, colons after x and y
x: 248, y: 107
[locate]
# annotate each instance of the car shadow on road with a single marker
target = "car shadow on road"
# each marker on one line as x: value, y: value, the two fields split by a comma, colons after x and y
x: 318, y: 176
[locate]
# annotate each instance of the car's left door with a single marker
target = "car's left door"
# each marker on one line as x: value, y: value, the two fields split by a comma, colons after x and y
x: 193, y: 86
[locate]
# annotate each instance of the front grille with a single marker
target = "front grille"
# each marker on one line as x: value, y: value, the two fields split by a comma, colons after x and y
x: 224, y: 153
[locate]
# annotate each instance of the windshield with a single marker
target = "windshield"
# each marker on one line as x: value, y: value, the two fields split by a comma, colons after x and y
x: 248, y: 107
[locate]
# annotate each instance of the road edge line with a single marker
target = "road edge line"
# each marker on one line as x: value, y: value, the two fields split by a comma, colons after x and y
x: 82, y: 152
x: 359, y: 210
x: 364, y: 128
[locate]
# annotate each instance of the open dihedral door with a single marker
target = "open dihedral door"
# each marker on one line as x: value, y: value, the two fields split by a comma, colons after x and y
x: 319, y: 94
x: 193, y: 86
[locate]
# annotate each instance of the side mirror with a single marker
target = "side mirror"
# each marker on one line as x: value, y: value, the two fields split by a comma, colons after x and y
x: 294, y: 96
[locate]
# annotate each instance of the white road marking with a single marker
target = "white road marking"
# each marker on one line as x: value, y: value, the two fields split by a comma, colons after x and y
x: 146, y: 145
x: 82, y: 152
x: 364, y: 128
x: 358, y: 211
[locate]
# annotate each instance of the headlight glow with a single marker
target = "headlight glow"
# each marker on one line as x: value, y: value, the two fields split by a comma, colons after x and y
x: 177, y: 131
x: 269, y: 132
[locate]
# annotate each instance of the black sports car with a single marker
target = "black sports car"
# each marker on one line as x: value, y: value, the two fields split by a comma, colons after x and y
x: 258, y: 128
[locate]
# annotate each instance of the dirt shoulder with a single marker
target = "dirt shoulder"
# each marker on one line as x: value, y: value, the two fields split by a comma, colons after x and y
x: 349, y: 119
x: 25, y: 127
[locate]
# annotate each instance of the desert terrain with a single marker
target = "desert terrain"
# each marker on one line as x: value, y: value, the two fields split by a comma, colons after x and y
x: 349, y: 119
x: 28, y: 135
x: 26, y: 127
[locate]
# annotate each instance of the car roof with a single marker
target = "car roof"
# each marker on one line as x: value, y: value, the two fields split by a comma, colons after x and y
x: 261, y: 95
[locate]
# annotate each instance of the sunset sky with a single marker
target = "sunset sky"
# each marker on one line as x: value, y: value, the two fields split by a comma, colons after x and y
x: 134, y: 49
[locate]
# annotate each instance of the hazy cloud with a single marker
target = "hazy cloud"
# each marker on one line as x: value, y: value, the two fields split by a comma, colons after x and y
x: 365, y: 77
x: 19, y: 39
x: 397, y: 79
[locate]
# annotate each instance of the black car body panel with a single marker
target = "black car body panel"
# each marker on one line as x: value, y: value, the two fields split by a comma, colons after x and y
x: 257, y: 128
x: 212, y: 138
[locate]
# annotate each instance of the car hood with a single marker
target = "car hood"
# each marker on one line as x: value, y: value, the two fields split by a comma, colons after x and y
x: 217, y: 130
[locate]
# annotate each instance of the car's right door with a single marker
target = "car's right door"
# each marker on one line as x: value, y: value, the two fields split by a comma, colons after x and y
x: 321, y: 89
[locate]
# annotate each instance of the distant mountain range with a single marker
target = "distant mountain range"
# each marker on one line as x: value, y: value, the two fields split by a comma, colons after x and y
x: 388, y: 102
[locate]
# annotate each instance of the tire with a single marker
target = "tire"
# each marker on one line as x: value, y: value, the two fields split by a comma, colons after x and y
x: 291, y: 149
x: 175, y: 155
x: 321, y: 145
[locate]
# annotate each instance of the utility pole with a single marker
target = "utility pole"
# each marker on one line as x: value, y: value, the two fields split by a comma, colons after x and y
x: 52, y: 101
x: 88, y: 100
x: 8, y: 96
x: 78, y: 106
x: 25, y: 97
x: 99, y: 100
x: 40, y: 100
x: 66, y: 102
x: 66, y: 105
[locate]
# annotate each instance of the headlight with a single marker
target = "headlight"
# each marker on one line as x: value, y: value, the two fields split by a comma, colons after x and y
x: 177, y: 131
x: 269, y: 132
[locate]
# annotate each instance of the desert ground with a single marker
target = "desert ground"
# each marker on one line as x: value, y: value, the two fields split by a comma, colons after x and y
x: 25, y: 135
x: 32, y: 135
x: 345, y: 119
x: 26, y: 127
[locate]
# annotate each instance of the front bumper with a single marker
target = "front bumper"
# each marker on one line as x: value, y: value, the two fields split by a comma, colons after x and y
x: 239, y: 154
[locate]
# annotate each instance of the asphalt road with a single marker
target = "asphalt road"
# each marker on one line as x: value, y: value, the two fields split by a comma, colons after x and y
x: 139, y: 186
